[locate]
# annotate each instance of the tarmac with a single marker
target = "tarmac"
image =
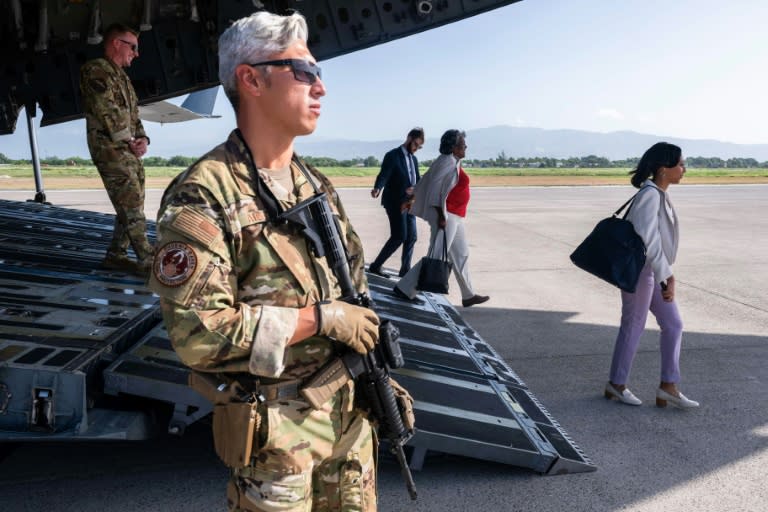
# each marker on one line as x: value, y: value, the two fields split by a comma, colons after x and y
x: 554, y: 325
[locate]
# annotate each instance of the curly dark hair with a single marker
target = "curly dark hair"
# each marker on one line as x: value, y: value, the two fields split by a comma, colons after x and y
x: 449, y: 140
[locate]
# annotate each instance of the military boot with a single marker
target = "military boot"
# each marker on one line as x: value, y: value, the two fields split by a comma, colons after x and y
x: 146, y: 266
x: 121, y: 262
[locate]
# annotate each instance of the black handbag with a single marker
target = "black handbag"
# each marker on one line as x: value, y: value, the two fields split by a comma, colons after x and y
x: 613, y: 251
x: 434, y: 272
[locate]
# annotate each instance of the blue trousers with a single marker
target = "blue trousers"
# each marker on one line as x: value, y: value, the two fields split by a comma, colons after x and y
x: 402, y: 231
x: 634, y: 312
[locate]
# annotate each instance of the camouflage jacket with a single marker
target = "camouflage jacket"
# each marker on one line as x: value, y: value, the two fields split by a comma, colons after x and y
x: 230, y: 281
x: 110, y: 105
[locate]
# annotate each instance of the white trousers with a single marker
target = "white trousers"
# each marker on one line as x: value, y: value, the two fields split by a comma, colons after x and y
x: 458, y: 255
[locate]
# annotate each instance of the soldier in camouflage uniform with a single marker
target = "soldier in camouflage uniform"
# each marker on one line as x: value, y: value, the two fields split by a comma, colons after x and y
x: 117, y: 141
x: 245, y: 301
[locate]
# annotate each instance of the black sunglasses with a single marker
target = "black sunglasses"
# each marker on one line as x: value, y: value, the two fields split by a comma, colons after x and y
x: 303, y: 70
x: 134, y: 47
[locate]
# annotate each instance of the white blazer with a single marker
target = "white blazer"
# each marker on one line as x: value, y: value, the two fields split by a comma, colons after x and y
x: 432, y: 189
x: 654, y: 219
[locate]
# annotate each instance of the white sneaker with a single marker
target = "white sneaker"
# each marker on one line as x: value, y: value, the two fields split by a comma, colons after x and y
x: 625, y: 397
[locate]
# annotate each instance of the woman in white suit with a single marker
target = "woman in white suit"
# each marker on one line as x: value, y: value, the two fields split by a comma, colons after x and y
x: 655, y: 221
x: 441, y: 198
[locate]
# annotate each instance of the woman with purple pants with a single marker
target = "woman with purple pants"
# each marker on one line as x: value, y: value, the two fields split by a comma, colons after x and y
x: 655, y: 221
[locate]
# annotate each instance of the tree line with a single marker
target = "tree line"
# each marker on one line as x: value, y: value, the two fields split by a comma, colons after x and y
x: 76, y: 161
x: 501, y: 160
x: 594, y: 161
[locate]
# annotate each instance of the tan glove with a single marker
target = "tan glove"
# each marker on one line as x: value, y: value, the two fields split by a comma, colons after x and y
x: 405, y: 402
x: 355, y: 326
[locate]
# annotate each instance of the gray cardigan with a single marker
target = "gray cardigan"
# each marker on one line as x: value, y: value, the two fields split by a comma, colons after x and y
x: 654, y: 219
x: 433, y: 188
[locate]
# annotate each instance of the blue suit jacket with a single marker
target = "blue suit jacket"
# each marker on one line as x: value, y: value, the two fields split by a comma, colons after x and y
x: 393, y: 178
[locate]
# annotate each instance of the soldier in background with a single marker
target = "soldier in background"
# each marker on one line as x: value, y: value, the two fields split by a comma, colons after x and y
x: 116, y: 141
x: 246, y: 303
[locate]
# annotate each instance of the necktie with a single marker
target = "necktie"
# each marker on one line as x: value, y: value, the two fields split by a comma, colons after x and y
x: 411, y: 170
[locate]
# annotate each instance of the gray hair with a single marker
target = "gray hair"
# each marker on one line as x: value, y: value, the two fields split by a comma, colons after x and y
x: 254, y: 39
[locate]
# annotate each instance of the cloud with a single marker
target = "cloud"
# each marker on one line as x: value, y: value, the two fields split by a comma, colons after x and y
x: 610, y: 113
x: 645, y: 118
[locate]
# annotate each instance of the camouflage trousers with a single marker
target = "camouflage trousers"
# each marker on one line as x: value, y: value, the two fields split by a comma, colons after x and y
x: 309, y: 460
x: 123, y: 179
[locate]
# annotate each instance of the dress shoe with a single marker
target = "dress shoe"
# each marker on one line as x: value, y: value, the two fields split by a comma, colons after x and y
x: 475, y: 299
x: 662, y: 398
x: 377, y: 271
x: 399, y: 294
x: 625, y: 396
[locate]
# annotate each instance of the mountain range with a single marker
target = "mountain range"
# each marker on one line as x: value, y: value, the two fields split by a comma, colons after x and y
x: 68, y: 139
x: 514, y: 141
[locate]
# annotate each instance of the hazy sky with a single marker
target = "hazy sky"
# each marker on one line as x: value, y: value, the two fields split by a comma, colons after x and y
x: 682, y: 68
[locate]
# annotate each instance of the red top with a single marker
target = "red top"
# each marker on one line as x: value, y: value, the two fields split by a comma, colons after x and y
x: 458, y: 198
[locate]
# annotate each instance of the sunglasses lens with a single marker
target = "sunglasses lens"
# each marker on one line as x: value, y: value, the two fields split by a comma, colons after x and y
x: 304, y: 76
x: 305, y: 72
x: 134, y: 47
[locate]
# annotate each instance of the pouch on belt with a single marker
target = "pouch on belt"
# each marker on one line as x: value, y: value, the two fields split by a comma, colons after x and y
x: 321, y: 386
x: 234, y: 426
x: 236, y: 418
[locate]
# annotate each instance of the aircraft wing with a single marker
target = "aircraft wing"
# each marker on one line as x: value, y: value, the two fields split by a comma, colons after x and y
x: 198, y: 105
x: 44, y: 42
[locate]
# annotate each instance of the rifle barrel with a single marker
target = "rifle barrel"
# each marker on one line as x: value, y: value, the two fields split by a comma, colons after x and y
x: 397, y: 449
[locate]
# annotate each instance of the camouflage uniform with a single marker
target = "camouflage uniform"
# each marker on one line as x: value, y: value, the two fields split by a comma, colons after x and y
x: 231, y: 284
x: 112, y: 119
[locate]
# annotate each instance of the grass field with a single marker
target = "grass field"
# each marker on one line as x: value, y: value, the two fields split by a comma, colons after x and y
x: 13, y: 177
x: 506, y: 171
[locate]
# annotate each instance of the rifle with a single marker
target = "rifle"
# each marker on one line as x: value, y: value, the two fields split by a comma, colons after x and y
x: 370, y: 371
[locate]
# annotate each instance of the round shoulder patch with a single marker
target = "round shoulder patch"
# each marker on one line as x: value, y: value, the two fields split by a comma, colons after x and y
x: 175, y: 263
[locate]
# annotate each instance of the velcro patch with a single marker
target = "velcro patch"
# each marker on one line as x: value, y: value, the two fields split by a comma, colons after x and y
x: 198, y: 226
x: 175, y: 263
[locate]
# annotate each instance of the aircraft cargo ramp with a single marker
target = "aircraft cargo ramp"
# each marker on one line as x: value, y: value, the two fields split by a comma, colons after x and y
x: 61, y: 321
x: 84, y: 356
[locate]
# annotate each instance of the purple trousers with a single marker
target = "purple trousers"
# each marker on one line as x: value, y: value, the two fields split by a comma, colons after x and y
x: 634, y: 312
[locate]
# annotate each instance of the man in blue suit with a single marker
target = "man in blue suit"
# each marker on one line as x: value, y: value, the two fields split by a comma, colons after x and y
x: 398, y: 175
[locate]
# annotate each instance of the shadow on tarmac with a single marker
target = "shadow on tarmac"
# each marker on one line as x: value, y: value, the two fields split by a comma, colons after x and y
x: 640, y: 452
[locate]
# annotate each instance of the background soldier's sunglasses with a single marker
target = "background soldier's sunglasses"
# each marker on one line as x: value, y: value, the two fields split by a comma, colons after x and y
x: 303, y: 70
x: 134, y: 47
